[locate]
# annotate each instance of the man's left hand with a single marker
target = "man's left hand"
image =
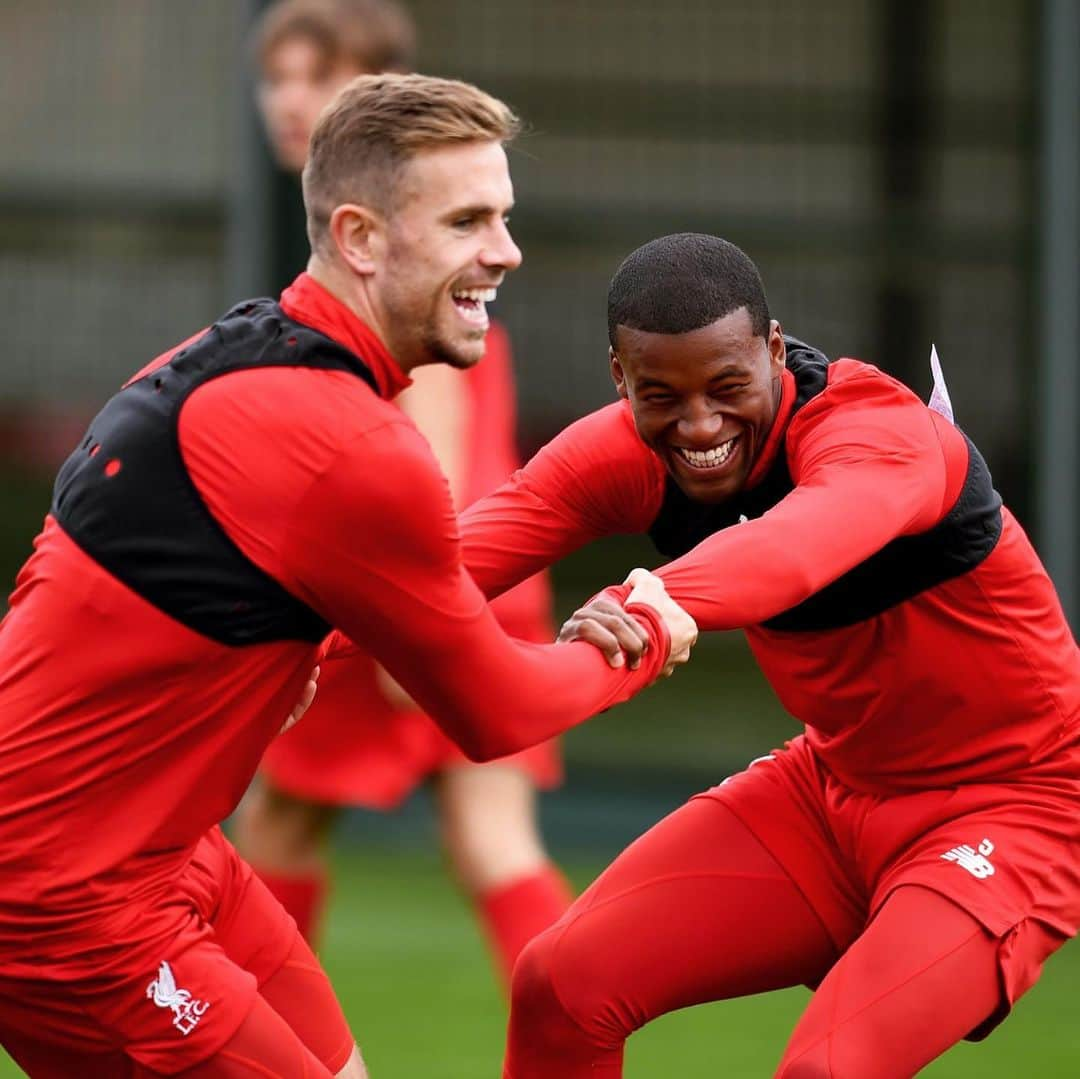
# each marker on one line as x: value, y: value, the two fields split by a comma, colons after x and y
x: 304, y: 703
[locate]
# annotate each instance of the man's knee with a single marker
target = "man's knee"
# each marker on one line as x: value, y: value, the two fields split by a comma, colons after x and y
x: 814, y: 1064
x: 831, y: 1060
x: 560, y: 992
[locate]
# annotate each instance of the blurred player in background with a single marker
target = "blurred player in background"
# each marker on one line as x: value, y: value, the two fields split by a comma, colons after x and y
x: 364, y: 742
x: 307, y: 50
x: 915, y: 854
x: 242, y: 494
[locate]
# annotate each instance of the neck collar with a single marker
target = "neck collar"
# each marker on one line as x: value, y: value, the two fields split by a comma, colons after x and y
x: 310, y: 303
x: 769, y: 451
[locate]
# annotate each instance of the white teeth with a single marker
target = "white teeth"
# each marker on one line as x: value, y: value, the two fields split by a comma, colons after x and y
x: 480, y: 295
x: 470, y: 303
x: 708, y: 458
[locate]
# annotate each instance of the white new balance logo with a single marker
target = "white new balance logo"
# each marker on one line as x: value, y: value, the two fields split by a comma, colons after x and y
x: 163, y: 992
x: 976, y: 862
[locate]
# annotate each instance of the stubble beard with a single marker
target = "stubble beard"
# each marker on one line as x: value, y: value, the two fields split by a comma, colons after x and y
x: 442, y: 351
x: 427, y: 343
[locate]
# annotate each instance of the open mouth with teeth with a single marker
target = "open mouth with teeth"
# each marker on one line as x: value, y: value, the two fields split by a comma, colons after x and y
x: 702, y: 460
x: 471, y: 304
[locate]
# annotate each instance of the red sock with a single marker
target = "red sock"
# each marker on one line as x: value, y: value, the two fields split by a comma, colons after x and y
x: 512, y: 914
x: 303, y: 897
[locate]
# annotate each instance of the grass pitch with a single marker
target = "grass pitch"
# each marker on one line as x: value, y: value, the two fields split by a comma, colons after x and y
x: 406, y: 956
x: 413, y: 974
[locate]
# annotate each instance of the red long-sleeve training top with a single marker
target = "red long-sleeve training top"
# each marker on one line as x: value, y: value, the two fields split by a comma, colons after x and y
x: 125, y: 734
x: 975, y: 677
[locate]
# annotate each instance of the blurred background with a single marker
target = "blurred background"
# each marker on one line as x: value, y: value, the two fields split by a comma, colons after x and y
x: 902, y: 171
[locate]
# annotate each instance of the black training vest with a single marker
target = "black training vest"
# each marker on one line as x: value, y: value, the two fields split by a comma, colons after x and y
x: 125, y: 497
x: 900, y: 570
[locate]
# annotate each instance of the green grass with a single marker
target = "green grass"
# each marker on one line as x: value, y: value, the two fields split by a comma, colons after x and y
x: 411, y: 970
x: 405, y: 953
x: 406, y: 957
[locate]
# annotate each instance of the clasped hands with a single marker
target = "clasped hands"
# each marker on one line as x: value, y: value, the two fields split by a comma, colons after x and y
x: 604, y: 623
x: 611, y: 627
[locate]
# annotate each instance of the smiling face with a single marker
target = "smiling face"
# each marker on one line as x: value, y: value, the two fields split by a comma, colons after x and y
x: 703, y: 401
x: 444, y: 249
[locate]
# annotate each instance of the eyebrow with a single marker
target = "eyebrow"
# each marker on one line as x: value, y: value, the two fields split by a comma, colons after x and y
x: 731, y: 371
x: 479, y: 209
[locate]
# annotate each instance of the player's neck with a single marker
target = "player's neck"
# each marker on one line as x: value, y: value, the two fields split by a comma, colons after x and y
x: 349, y: 290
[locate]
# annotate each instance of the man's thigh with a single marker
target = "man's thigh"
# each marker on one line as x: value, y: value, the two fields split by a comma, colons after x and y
x: 1008, y: 855
x: 261, y: 937
x: 173, y: 1010
x: 921, y: 977
x: 264, y: 1045
x: 264, y: 1042
x: 781, y: 800
x: 46, y: 1060
x: 970, y: 890
x: 696, y: 909
x: 710, y: 913
x: 168, y: 1015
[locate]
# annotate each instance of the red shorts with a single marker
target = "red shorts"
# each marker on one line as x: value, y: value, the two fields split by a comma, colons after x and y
x: 1007, y: 853
x: 223, y: 935
x: 354, y: 748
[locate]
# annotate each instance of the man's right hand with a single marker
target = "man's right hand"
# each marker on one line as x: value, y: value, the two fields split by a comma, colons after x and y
x: 649, y: 590
x: 606, y: 624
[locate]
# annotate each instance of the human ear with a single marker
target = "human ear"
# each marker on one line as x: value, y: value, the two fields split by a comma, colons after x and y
x: 777, y: 349
x: 618, y: 375
x: 357, y: 234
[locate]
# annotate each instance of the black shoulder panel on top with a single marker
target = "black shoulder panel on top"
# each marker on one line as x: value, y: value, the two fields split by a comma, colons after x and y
x: 911, y: 564
x: 899, y: 571
x: 125, y: 497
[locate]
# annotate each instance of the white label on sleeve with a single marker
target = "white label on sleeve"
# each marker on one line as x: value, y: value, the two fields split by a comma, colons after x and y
x: 939, y: 395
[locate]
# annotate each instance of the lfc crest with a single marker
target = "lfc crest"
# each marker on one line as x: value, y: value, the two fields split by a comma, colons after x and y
x: 165, y: 994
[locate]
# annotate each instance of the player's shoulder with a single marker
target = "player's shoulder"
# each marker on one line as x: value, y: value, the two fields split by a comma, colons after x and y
x: 852, y: 380
x: 380, y: 434
x: 856, y: 387
x: 335, y: 402
x: 375, y: 462
x: 870, y: 412
x: 304, y: 419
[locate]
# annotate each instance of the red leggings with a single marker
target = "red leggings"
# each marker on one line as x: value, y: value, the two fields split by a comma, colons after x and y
x: 698, y: 910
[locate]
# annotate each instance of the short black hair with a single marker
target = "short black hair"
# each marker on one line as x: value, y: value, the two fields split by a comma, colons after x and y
x: 682, y: 282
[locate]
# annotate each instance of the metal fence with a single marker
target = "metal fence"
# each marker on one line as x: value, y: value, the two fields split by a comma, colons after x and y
x: 879, y: 159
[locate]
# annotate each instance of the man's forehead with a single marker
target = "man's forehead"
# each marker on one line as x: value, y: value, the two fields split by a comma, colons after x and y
x: 449, y: 156
x: 731, y: 335
x: 299, y: 47
x: 458, y: 174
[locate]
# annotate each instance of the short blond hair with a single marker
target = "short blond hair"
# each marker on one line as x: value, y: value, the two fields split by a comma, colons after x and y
x: 376, y: 124
x: 370, y: 35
